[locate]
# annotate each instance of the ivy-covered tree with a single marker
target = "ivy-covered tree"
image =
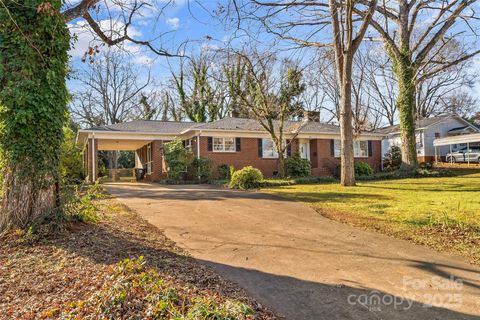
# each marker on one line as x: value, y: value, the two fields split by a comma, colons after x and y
x: 419, y: 37
x: 200, y: 98
x: 34, y: 42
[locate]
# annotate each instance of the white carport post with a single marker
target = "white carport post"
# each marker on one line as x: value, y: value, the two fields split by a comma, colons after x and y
x: 436, y: 157
x: 451, y: 156
x: 94, y: 156
x: 468, y: 153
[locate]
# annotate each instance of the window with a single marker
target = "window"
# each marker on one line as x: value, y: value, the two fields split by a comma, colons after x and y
x: 223, y: 144
x: 268, y: 149
x: 419, y: 139
x: 437, y: 135
x: 360, y: 149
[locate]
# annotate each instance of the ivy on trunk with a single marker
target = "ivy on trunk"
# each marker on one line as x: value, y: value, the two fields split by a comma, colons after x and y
x: 34, y: 43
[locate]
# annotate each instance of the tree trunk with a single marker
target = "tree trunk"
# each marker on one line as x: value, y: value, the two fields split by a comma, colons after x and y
x: 404, y: 70
x: 22, y: 200
x: 33, y: 99
x: 347, y: 174
x: 281, y: 165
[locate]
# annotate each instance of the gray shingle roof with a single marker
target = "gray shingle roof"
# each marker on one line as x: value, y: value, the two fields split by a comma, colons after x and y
x: 166, y: 127
x: 418, y: 124
x: 228, y: 124
x: 242, y: 124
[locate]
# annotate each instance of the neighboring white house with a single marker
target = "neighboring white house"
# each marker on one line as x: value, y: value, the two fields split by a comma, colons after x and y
x: 428, y: 130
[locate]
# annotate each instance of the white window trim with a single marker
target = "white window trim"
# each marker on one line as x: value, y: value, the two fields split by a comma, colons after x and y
x: 336, y: 141
x: 223, y: 145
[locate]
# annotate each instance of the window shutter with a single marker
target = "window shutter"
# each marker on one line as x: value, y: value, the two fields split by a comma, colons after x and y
x: 260, y: 148
x: 370, y: 151
x: 289, y: 149
x: 332, y: 148
x: 210, y: 144
x: 238, y: 144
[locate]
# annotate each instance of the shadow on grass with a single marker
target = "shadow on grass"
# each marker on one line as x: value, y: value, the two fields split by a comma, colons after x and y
x: 313, y: 197
x: 290, y: 297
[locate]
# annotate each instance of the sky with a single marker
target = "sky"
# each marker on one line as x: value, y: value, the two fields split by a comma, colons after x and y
x: 186, y: 26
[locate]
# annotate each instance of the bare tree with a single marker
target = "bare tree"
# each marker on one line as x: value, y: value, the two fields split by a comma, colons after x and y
x: 110, y: 91
x: 416, y: 34
x: 270, y: 98
x: 461, y: 103
x: 303, y: 23
x: 121, y: 17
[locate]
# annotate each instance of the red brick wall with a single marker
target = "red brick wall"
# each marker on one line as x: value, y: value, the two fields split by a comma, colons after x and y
x: 248, y: 156
x: 157, y: 164
x: 430, y: 159
x: 324, y: 164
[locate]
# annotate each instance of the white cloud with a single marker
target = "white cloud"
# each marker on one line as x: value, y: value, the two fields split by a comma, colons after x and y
x: 174, y: 23
x: 85, y: 37
x: 208, y: 47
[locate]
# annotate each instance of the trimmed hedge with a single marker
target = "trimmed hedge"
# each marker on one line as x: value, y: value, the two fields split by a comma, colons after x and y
x: 246, y: 178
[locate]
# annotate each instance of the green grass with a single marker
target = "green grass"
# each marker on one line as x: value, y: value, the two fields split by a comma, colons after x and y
x: 407, y: 208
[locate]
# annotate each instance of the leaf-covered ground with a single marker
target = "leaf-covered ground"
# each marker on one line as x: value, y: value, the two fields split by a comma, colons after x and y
x: 79, y: 274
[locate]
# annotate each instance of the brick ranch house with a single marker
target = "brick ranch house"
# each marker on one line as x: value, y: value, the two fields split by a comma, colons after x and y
x: 233, y: 141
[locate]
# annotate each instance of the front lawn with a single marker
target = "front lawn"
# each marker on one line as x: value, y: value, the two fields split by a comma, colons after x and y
x: 443, y: 213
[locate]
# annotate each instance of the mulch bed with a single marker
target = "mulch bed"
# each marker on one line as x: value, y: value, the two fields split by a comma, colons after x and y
x: 37, y: 278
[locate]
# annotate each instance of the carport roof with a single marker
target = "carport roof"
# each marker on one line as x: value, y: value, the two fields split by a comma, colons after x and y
x: 464, y: 138
x: 150, y: 126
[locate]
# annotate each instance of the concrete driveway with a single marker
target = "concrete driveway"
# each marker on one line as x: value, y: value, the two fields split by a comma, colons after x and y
x: 302, y: 265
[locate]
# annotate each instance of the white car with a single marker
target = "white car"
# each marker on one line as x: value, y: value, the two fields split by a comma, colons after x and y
x: 464, y: 154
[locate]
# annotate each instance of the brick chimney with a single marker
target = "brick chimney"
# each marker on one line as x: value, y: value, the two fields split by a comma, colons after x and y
x: 311, y: 116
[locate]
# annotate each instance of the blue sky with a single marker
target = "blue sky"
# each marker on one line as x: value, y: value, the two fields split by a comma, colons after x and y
x: 182, y: 25
x: 181, y: 21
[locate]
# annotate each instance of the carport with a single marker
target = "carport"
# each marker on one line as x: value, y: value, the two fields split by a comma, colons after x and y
x: 93, y: 142
x: 467, y: 139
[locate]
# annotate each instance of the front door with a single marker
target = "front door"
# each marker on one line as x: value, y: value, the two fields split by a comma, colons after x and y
x: 304, y: 150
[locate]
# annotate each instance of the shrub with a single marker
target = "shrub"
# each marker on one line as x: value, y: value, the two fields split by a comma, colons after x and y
x: 246, y: 178
x: 177, y: 158
x: 201, y: 168
x: 362, y: 169
x: 224, y: 172
x: 232, y: 171
x: 425, y: 165
x: 393, y: 159
x: 298, y: 167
